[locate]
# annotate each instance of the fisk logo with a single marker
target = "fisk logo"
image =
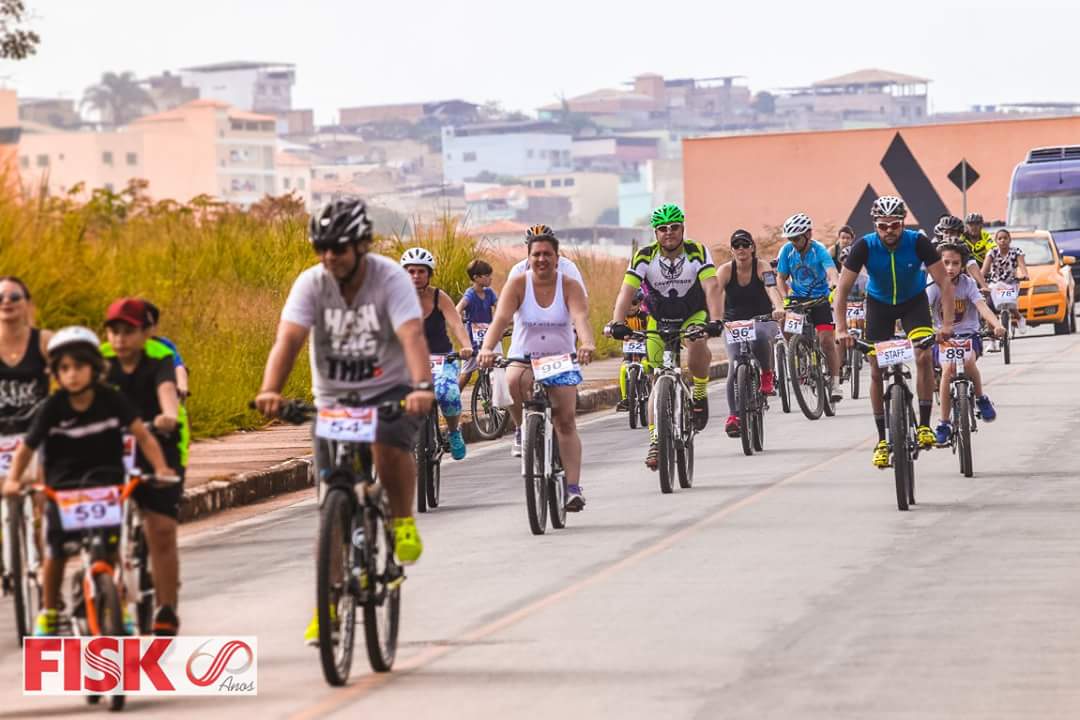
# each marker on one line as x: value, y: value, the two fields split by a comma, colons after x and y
x: 140, y: 666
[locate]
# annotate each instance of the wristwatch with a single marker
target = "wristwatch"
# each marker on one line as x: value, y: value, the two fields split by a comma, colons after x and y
x: 423, y: 387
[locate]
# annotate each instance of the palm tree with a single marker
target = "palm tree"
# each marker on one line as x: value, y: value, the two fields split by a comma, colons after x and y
x: 118, y: 98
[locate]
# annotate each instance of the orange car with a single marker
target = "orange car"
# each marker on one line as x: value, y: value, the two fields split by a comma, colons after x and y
x: 1049, y: 296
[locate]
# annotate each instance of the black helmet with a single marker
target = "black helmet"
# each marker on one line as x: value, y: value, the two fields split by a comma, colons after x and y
x: 974, y: 217
x: 949, y: 223
x: 339, y: 223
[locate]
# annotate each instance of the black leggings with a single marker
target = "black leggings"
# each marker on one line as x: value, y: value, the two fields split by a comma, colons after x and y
x: 762, y: 346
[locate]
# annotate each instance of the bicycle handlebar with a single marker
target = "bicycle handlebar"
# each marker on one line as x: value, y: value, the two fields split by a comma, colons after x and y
x: 298, y: 412
x: 923, y: 344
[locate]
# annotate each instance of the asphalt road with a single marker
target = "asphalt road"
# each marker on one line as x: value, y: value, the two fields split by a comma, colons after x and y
x: 784, y: 585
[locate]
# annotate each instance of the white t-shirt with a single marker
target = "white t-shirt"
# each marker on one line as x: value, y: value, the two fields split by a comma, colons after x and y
x: 354, y: 348
x: 565, y: 266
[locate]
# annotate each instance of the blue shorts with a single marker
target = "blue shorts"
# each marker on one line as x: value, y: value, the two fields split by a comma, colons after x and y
x: 570, y: 378
x: 976, y: 346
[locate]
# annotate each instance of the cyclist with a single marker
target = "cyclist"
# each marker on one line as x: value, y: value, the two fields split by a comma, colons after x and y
x: 24, y: 372
x: 810, y: 269
x: 748, y: 289
x: 476, y: 308
x: 546, y: 306
x: 845, y: 236
x: 80, y: 428
x: 367, y: 338
x: 440, y: 315
x: 950, y: 229
x: 679, y: 277
x: 896, y: 262
x: 143, y: 371
x: 969, y: 304
x: 1005, y: 264
x: 978, y: 241
x: 178, y: 362
x: 636, y: 319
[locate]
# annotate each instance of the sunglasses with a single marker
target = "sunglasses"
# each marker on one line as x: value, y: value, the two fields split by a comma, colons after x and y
x: 668, y: 228
x: 742, y: 245
x: 12, y: 297
x: 335, y: 248
x: 888, y: 225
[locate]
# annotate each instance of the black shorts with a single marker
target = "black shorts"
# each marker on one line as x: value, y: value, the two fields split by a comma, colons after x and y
x: 913, y: 314
x: 161, y: 499
x: 818, y: 315
x: 399, y: 432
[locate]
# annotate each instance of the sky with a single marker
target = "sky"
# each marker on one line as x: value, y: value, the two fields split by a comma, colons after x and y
x: 525, y: 55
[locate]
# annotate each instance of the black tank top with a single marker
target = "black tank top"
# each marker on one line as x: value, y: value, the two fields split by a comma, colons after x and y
x: 435, y: 330
x: 24, y: 385
x: 743, y: 302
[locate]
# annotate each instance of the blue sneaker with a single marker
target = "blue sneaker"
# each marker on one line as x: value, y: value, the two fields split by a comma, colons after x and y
x: 944, y: 433
x: 575, y: 500
x: 457, y: 445
x: 986, y: 408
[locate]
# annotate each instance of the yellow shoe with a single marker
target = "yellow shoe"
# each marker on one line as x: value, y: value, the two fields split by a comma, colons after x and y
x: 45, y: 623
x: 881, y: 455
x: 407, y: 543
x: 311, y: 635
x: 927, y: 438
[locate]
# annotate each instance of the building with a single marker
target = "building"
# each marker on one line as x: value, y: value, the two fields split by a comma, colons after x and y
x: 168, y: 91
x: 204, y: 147
x: 865, y: 97
x: 10, y: 131
x: 293, y: 175
x: 499, y: 232
x: 518, y: 203
x: 444, y: 112
x: 54, y: 112
x: 617, y: 153
x: 255, y: 86
x: 504, y: 150
x: 591, y: 194
x: 756, y: 181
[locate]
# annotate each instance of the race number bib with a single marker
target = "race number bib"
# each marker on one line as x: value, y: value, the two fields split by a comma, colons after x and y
x: 129, y: 452
x: 738, y: 331
x: 88, y: 508
x: 793, y: 323
x: 894, y: 352
x: 1004, y: 294
x: 633, y: 347
x: 8, y: 445
x: 437, y: 363
x: 479, y: 332
x: 549, y: 367
x: 956, y: 351
x: 856, y: 312
x: 345, y: 424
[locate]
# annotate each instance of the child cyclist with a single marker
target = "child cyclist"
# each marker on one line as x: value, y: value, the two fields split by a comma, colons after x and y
x: 80, y: 428
x: 636, y: 318
x: 969, y: 306
x: 476, y: 307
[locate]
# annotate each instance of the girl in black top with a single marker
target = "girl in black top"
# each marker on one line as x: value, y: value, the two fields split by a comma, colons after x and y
x: 748, y: 289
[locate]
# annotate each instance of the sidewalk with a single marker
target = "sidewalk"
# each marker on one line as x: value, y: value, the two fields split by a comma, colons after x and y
x: 244, y: 467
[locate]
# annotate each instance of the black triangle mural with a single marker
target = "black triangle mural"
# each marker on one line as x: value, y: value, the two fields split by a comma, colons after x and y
x: 860, y: 216
x: 912, y: 183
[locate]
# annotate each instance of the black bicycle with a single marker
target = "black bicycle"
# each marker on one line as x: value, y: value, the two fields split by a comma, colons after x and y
x: 780, y: 367
x: 355, y: 563
x: 808, y: 365
x: 962, y: 396
x: 19, y: 559
x: 490, y: 420
x: 637, y: 384
x: 853, y: 358
x: 900, y: 414
x: 1004, y: 296
x: 432, y: 443
x: 750, y: 402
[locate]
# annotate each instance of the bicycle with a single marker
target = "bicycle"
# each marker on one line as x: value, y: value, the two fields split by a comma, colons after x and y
x: 750, y: 402
x: 962, y: 395
x: 672, y: 401
x: 780, y: 365
x: 900, y: 428
x: 19, y: 561
x: 541, y: 466
x: 808, y: 365
x: 490, y: 421
x: 853, y: 359
x: 1004, y: 297
x: 637, y: 384
x: 431, y: 444
x: 355, y: 561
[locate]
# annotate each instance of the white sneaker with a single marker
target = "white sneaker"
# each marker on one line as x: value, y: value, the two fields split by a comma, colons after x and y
x: 1021, y: 325
x: 515, y: 447
x: 836, y: 390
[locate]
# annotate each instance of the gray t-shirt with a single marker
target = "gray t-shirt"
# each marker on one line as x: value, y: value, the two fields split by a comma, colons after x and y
x: 965, y: 315
x: 354, y: 348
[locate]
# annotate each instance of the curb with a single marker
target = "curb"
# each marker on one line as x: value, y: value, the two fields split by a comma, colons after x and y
x: 226, y: 492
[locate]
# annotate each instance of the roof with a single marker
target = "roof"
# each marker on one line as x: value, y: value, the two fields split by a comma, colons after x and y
x: 601, y: 95
x: 290, y: 159
x: 338, y: 187
x: 870, y: 76
x: 499, y: 227
x: 179, y: 112
x: 236, y: 65
x: 505, y: 191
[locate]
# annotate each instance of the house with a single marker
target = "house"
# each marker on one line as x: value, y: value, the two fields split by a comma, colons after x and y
x: 54, y: 112
x: 616, y: 153
x: 591, y: 194
x: 293, y: 175
x: 507, y: 149
x: 261, y: 87
x: 499, y: 232
x: 865, y: 98
x: 445, y: 112
x: 519, y: 203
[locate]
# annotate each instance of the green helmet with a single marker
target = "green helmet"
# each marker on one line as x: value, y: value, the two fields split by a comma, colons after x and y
x: 670, y: 213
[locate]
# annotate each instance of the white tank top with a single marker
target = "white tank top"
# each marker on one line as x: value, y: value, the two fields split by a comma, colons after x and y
x: 539, y: 330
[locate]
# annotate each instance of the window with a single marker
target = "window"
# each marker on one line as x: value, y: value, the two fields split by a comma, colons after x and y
x: 109, y: 187
x: 285, y: 183
x: 236, y: 125
x: 565, y: 157
x: 568, y: 182
x: 556, y: 182
x: 106, y: 157
x: 469, y: 157
x: 251, y: 125
x: 132, y: 158
x: 539, y: 183
x: 43, y: 161
x: 300, y: 183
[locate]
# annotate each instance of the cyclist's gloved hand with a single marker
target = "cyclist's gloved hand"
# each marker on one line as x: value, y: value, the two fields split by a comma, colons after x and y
x: 715, y: 328
x: 787, y: 302
x: 619, y: 331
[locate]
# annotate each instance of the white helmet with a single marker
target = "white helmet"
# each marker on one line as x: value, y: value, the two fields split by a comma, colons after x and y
x: 888, y: 206
x: 71, y: 336
x: 796, y: 225
x: 418, y: 256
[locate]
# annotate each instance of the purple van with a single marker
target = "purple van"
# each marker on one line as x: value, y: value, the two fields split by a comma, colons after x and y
x: 1045, y: 195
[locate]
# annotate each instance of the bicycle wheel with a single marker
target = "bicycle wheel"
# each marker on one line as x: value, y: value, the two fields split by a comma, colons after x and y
x: 144, y: 603
x: 827, y: 405
x: 643, y: 399
x: 434, y: 479
x: 423, y: 464
x: 665, y: 431
x: 684, y: 451
x: 856, y: 369
x: 1006, y: 342
x: 382, y: 608
x: 104, y: 616
x: 744, y: 404
x: 556, y: 488
x: 333, y: 569
x: 899, y: 437
x: 780, y: 364
x: 758, y: 413
x: 24, y: 584
x: 535, y: 482
x: 806, y: 382
x: 962, y: 412
x: 485, y: 419
x: 632, y: 396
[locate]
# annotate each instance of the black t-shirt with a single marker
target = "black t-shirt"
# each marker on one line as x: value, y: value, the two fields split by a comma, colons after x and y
x: 74, y: 443
x: 140, y: 389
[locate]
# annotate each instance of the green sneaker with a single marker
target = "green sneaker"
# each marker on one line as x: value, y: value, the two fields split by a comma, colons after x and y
x: 311, y: 635
x: 407, y: 543
x: 46, y: 623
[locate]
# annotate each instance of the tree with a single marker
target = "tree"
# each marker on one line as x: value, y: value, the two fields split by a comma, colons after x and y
x: 118, y: 98
x: 16, y: 43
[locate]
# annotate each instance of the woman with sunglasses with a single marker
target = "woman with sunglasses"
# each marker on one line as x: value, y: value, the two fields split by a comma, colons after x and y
x: 24, y: 372
x: 748, y: 289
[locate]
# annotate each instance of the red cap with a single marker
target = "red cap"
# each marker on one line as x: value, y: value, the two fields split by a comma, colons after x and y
x: 132, y: 311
